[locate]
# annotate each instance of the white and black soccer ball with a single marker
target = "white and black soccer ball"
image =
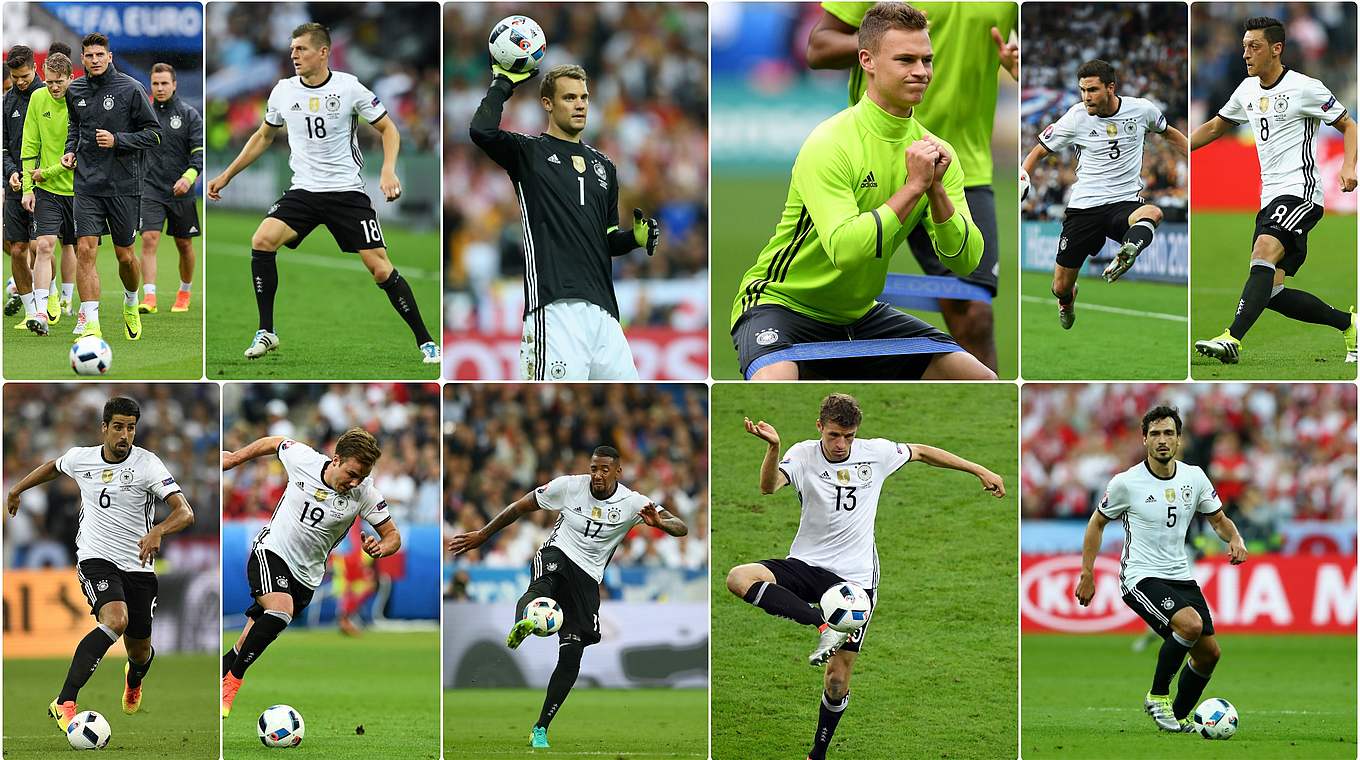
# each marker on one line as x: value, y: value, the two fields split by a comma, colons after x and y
x: 1216, y: 719
x: 88, y: 730
x: 281, y: 727
x: 1024, y: 184
x: 846, y: 607
x: 517, y: 44
x: 546, y: 614
x: 91, y: 355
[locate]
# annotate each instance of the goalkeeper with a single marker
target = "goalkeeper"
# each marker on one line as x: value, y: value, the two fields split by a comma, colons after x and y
x: 863, y: 180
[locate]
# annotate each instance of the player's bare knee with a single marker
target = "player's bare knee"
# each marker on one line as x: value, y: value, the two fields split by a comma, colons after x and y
x: 115, y: 619
x: 741, y: 578
x: 1149, y: 212
x: 125, y: 254
x: 139, y: 650
x: 378, y: 264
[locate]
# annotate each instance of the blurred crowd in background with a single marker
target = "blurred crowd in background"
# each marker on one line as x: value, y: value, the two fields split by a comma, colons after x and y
x: 1275, y: 453
x: 501, y: 441
x: 403, y: 416
x: 388, y: 46
x: 1146, y: 44
x: 42, y: 421
x: 1319, y: 41
x: 648, y: 69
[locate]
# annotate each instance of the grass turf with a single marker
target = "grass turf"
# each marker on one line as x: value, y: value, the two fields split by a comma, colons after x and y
x: 171, y: 347
x: 665, y: 723
x: 745, y: 210
x: 1082, y: 697
x: 1277, y: 348
x: 332, y: 320
x: 937, y: 677
x: 177, y: 719
x: 386, y: 682
x: 1104, y: 344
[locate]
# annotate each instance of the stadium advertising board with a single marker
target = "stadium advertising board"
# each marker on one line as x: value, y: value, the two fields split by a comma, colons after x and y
x: 135, y: 27
x: 46, y: 614
x: 1165, y: 260
x: 1228, y: 176
x: 1268, y: 594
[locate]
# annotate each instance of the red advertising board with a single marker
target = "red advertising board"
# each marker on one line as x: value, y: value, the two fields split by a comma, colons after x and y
x: 659, y: 353
x: 1270, y: 593
x: 1226, y: 175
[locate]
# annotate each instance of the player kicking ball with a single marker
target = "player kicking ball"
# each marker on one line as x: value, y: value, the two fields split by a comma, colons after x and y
x: 1284, y: 108
x: 838, y: 479
x: 1107, y: 131
x: 116, y: 546
x: 1157, y: 499
x: 287, y: 561
x: 595, y: 513
x: 321, y: 107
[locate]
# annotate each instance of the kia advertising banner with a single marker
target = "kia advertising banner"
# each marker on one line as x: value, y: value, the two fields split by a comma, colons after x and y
x: 1227, y: 175
x: 1267, y: 594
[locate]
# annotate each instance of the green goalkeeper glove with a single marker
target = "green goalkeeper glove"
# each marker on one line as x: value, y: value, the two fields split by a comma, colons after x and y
x: 514, y: 77
x: 647, y: 232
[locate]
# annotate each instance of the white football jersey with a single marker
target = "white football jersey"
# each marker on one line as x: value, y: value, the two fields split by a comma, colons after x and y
x: 588, y: 529
x: 322, y: 123
x: 117, y: 502
x: 1284, y: 119
x: 311, y: 518
x: 839, y: 504
x: 1156, y: 513
x: 1109, y: 150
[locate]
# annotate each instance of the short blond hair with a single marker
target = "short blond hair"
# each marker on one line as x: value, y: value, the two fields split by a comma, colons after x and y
x: 58, y: 64
x: 884, y: 16
x: 358, y: 444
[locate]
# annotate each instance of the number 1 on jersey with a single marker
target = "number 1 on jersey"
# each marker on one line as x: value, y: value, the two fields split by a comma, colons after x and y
x: 581, y: 181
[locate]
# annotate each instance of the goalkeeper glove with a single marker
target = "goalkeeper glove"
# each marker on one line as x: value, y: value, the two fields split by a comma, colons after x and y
x: 515, y: 77
x: 647, y: 232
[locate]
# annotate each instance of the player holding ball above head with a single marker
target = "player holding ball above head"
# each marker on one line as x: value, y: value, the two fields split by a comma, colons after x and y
x: 838, y: 478
x: 323, y: 498
x: 569, y: 204
x: 595, y: 513
x: 321, y: 109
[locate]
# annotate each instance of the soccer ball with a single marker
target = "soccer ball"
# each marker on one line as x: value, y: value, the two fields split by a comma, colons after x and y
x: 846, y: 607
x: 1216, y: 719
x: 1024, y: 184
x: 91, y: 356
x: 517, y: 44
x: 281, y: 726
x: 88, y: 730
x: 547, y: 616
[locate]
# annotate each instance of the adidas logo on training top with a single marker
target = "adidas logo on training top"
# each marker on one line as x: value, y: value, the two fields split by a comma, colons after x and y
x: 1150, y: 500
x: 295, y: 107
x: 1093, y: 134
x: 553, y: 159
x: 868, y: 182
x: 15, y: 115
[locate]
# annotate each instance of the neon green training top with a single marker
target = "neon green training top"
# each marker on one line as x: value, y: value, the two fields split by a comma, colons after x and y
x: 44, y: 142
x: 828, y: 258
x: 960, y: 104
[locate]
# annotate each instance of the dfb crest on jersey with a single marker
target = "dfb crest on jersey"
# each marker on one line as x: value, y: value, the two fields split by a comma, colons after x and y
x: 579, y: 164
x: 106, y: 476
x: 552, y: 567
x: 843, y: 476
x: 125, y: 477
x: 1170, y: 496
x: 1062, y: 243
x: 558, y: 370
x: 281, y: 581
x: 313, y: 104
x: 333, y: 103
x: 1167, y: 603
x: 176, y: 122
x: 599, y: 169
x: 1111, y: 129
x: 339, y: 502
x: 1129, y: 127
x: 767, y: 336
x: 108, y: 102
x: 102, y: 585
x: 1281, y: 103
x: 865, y: 473
x: 1186, y: 491
x: 320, y: 494
x: 615, y: 514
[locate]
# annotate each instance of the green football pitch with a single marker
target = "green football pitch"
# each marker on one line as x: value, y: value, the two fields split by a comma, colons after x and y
x: 937, y: 675
x: 618, y: 724
x: 1277, y: 347
x: 372, y: 696
x: 745, y: 209
x: 333, y: 322
x: 1082, y: 697
x: 171, y: 347
x: 1128, y: 330
x: 178, y: 716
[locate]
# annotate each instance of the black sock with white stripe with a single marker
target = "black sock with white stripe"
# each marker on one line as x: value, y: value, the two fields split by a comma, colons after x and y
x: 828, y: 717
x: 398, y: 291
x: 89, y: 652
x: 264, y: 276
x: 1189, y: 688
x: 1306, y: 307
x: 1169, y: 659
x: 137, y: 670
x: 562, y: 679
x: 781, y: 602
x: 1140, y: 233
x: 1255, y: 296
x: 263, y: 631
